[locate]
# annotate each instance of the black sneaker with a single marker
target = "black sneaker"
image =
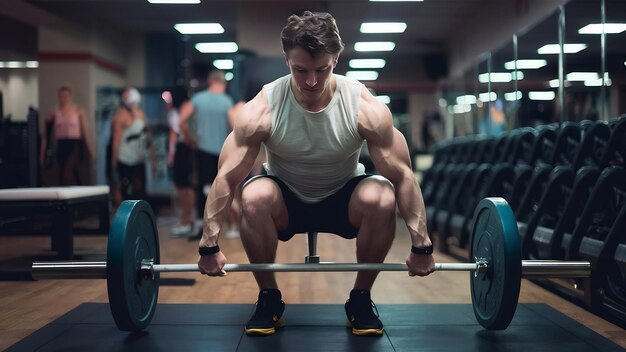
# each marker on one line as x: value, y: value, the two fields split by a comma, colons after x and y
x: 362, y: 314
x: 266, y: 318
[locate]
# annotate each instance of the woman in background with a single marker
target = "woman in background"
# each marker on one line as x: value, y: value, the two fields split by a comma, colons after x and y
x: 132, y: 145
x: 71, y: 132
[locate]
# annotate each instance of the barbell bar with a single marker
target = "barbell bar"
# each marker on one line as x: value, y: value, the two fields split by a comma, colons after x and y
x: 133, y: 267
x: 97, y: 269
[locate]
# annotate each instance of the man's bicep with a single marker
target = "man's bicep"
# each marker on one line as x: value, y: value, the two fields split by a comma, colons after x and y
x: 237, y: 158
x: 391, y: 156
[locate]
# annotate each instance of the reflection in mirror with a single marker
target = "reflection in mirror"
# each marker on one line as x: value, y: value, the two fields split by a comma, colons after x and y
x: 503, y: 98
x: 490, y: 118
x: 615, y: 58
x: 459, y: 103
x: 583, y: 61
x: 538, y: 64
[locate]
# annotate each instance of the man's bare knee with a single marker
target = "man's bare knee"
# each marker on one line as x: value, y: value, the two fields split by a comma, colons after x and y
x: 260, y: 197
x: 374, y: 197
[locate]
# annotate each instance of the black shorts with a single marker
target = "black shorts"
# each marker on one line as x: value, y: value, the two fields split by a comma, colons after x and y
x: 183, y: 165
x: 68, y: 148
x: 207, y: 167
x: 132, y: 180
x: 330, y: 215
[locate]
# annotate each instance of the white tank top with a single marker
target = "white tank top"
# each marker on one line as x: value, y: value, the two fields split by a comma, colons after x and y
x: 314, y: 153
x: 133, y: 146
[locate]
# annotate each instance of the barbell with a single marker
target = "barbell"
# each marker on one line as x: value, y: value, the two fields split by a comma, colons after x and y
x: 133, y: 267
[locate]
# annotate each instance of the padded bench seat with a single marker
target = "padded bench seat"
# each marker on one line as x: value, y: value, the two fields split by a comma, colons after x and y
x: 60, y: 203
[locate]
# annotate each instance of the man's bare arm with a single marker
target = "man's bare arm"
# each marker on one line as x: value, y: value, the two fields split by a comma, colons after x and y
x: 390, y: 154
x: 186, y: 111
x: 236, y: 160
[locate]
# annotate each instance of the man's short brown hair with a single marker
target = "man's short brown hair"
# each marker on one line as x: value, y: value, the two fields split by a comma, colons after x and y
x: 315, y: 32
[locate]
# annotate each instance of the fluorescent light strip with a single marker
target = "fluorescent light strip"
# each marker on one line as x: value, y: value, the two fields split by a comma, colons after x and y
x: 582, y: 76
x: 500, y: 77
x: 554, y: 83
x: 495, y: 77
x: 15, y: 64
x: 223, y: 64
x: 567, y: 48
x: 485, y: 97
x: 367, y: 63
x: 363, y: 75
x: 199, y: 28
x: 384, y: 98
x: 383, y: 27
x: 374, y: 46
x: 597, y: 82
x: 466, y: 99
x: 513, y: 96
x: 179, y: 2
x: 527, y: 64
x: 19, y: 64
x: 546, y: 95
x: 459, y: 108
x: 228, y: 76
x: 609, y: 28
x: 224, y: 47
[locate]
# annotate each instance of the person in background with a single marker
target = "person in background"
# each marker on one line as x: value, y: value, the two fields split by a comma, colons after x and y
x: 131, y: 147
x: 71, y: 136
x: 180, y: 158
x: 209, y: 108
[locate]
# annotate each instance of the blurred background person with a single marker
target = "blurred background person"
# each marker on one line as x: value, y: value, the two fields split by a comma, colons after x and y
x: 209, y: 108
x: 180, y: 158
x: 69, y: 124
x: 131, y: 146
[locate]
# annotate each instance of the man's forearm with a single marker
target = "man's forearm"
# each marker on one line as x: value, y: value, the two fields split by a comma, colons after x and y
x: 215, y: 212
x: 412, y: 209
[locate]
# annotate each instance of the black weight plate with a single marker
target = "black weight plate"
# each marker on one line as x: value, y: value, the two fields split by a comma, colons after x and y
x: 495, y: 239
x: 133, y: 238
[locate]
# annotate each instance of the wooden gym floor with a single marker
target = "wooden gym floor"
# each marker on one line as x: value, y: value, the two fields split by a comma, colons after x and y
x: 26, y: 306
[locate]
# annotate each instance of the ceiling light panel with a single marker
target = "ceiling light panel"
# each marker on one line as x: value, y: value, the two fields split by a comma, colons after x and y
x: 374, y: 46
x: 383, y: 27
x: 220, y: 47
x: 177, y: 2
x: 567, y: 48
x: 527, y: 64
x: 609, y: 28
x: 367, y: 63
x: 363, y: 75
x: 199, y: 28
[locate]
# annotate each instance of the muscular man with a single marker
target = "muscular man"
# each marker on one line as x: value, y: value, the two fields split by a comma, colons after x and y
x: 313, y: 123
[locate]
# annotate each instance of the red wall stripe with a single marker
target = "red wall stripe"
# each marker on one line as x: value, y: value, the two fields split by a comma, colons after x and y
x: 84, y: 57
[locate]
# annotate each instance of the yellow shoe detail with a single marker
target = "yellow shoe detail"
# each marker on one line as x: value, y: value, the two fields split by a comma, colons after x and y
x: 367, y: 332
x: 265, y: 331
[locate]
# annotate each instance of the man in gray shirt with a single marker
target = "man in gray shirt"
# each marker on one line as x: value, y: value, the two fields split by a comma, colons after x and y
x: 313, y: 123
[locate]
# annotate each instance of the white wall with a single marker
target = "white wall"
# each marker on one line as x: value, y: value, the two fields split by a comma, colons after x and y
x: 19, y: 91
x: 94, y: 45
